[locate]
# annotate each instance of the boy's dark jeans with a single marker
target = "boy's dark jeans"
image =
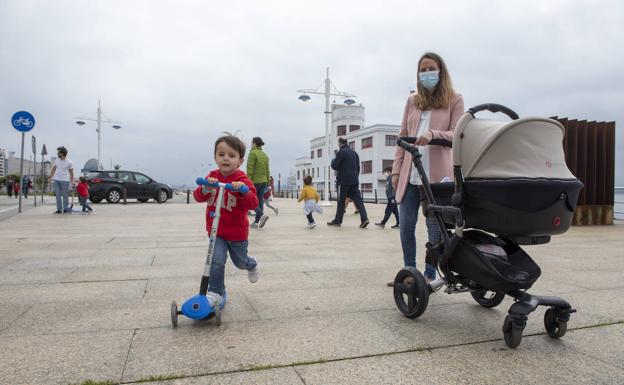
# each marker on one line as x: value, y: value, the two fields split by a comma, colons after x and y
x: 391, y: 208
x: 310, y: 218
x: 84, y: 204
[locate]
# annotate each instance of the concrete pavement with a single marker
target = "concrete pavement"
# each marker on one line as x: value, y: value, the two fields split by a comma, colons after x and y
x: 87, y: 298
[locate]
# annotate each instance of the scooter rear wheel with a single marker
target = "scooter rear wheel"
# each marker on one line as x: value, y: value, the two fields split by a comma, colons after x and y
x: 174, y: 314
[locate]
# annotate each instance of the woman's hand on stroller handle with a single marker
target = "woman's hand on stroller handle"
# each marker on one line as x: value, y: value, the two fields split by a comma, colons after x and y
x: 408, y: 142
x: 234, y: 186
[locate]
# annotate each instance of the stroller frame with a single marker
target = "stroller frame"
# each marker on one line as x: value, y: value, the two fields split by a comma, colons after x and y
x: 411, y: 291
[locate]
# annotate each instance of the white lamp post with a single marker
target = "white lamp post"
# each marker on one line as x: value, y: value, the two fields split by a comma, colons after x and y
x: 115, y: 124
x: 304, y: 98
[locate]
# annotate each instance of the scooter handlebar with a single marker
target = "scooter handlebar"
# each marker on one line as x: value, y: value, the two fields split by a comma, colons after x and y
x: 228, y: 186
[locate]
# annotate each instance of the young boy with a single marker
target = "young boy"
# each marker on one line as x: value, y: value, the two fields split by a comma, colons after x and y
x: 233, y: 229
x: 83, y: 194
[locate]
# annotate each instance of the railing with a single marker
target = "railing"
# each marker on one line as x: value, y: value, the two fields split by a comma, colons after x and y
x: 374, y: 196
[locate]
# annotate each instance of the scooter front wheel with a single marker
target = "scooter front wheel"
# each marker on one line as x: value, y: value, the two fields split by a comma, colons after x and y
x: 174, y: 314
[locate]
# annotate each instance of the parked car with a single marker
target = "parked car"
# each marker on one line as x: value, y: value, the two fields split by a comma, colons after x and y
x: 110, y: 185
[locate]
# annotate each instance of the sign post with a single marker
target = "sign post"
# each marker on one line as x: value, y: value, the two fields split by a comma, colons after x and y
x: 23, y: 122
x: 44, y: 152
x: 34, y: 181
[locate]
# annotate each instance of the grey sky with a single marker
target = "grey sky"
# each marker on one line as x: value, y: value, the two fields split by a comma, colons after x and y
x: 178, y: 73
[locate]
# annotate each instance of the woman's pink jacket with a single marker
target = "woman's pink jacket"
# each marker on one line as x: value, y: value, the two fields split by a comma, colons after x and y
x: 442, y: 126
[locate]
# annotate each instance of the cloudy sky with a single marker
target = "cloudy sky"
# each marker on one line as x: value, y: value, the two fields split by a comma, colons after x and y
x: 178, y: 73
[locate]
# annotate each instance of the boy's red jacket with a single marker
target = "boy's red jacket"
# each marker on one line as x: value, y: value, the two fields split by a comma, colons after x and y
x: 233, y: 225
x: 83, y: 189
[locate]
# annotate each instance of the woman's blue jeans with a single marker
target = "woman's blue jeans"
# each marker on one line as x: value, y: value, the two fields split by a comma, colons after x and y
x: 408, y: 216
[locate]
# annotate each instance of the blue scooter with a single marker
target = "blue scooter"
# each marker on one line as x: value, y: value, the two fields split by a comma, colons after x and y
x: 198, y: 307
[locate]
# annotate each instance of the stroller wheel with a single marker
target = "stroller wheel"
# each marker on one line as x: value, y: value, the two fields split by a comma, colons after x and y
x: 487, y: 298
x: 411, y: 293
x: 512, y: 333
x: 554, y: 327
x: 174, y: 314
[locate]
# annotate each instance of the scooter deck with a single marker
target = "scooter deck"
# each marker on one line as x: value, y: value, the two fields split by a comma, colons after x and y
x: 197, y: 307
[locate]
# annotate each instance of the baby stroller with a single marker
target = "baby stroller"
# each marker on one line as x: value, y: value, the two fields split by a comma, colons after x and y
x: 512, y: 187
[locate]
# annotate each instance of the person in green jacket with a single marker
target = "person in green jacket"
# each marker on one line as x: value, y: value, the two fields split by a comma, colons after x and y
x: 258, y: 172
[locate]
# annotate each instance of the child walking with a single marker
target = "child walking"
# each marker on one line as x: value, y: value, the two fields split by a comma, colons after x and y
x: 229, y: 153
x: 83, y: 194
x: 391, y: 206
x: 311, y: 197
x: 268, y: 196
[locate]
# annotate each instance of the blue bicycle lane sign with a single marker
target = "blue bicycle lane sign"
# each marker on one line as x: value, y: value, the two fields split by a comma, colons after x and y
x: 23, y: 121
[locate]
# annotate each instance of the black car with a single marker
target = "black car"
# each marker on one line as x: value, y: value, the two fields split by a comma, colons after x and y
x: 110, y: 185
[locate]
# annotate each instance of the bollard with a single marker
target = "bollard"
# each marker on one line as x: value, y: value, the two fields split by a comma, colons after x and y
x: 376, y: 196
x: 125, y: 195
x: 188, y: 196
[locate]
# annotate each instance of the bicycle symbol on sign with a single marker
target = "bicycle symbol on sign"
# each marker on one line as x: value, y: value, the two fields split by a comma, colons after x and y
x: 22, y: 121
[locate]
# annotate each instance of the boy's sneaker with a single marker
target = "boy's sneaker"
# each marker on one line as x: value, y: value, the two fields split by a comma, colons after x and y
x: 253, y: 274
x: 312, y: 225
x: 380, y: 225
x: 263, y: 219
x: 364, y: 224
x: 57, y: 212
x: 395, y: 226
x: 276, y: 210
x: 214, y: 299
x: 333, y: 223
x: 254, y: 225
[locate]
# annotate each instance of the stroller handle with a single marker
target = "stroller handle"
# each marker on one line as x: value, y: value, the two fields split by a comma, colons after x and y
x: 228, y: 186
x: 432, y: 142
x: 493, y: 107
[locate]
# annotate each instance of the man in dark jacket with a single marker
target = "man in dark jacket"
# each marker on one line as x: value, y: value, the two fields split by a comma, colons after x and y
x: 347, y: 166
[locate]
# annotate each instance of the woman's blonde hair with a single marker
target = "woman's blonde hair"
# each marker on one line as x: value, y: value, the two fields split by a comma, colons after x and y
x: 442, y: 93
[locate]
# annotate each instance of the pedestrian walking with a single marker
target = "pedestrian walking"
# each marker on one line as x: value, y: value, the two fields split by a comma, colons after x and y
x: 310, y: 197
x: 62, y: 177
x: 258, y: 171
x: 347, y: 166
x: 391, y: 205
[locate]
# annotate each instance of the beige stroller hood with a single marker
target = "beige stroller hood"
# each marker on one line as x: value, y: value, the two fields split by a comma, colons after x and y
x: 523, y: 148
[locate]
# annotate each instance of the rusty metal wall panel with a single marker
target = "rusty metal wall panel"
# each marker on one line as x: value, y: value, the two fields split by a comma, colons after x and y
x: 601, y: 163
x: 590, y: 164
x: 581, y: 160
x: 610, y: 166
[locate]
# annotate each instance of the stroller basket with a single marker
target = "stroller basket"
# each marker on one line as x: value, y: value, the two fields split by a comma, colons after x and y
x: 503, y: 273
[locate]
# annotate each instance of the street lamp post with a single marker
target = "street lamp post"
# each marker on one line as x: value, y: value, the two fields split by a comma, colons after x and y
x: 115, y: 124
x: 328, y: 92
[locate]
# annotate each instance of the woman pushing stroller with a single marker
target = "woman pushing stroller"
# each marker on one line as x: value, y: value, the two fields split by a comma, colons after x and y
x: 430, y: 113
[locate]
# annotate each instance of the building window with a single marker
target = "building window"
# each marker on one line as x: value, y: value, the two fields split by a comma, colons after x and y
x: 391, y: 140
x: 318, y: 174
x: 352, y: 145
x: 386, y: 163
x: 312, y: 173
x: 298, y: 176
x: 319, y: 153
x: 353, y: 127
x: 341, y: 130
x: 367, y: 187
x: 367, y: 167
x: 311, y: 154
x: 367, y: 142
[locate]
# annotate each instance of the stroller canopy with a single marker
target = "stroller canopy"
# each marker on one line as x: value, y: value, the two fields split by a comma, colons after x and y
x: 523, y: 148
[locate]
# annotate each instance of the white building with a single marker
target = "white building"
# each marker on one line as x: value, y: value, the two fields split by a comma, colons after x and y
x: 374, y: 144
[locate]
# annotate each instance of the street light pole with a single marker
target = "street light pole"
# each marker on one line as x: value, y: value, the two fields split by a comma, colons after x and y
x: 328, y: 144
x: 116, y: 125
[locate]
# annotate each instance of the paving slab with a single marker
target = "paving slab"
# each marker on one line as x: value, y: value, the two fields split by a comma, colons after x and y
x: 95, y: 291
x: 9, y: 312
x: 248, y: 345
x: 541, y: 360
x: 63, y: 358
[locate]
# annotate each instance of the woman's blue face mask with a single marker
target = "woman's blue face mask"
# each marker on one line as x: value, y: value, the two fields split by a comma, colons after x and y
x: 429, y: 79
